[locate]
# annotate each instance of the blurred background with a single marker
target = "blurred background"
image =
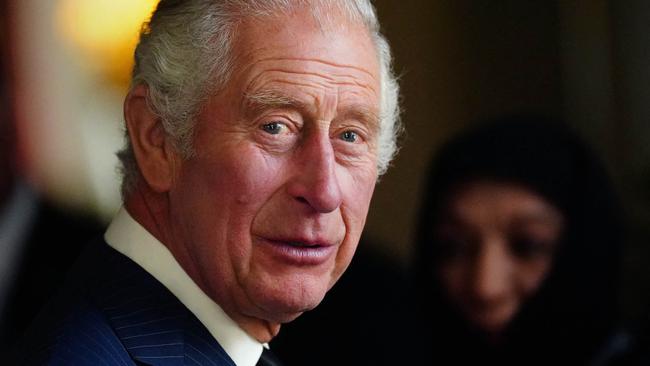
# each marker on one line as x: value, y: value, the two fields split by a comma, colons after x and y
x: 460, y: 61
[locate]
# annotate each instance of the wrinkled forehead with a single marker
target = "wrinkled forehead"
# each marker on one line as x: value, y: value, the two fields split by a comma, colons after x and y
x: 333, y: 18
x: 297, y: 38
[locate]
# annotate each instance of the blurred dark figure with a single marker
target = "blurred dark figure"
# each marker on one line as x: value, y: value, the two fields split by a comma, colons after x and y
x: 519, y: 248
x: 38, y: 241
x: 367, y: 318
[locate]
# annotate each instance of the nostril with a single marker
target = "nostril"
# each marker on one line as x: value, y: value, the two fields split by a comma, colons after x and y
x: 302, y: 200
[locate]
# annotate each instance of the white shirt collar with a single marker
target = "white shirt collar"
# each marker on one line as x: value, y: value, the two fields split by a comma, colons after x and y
x: 128, y: 237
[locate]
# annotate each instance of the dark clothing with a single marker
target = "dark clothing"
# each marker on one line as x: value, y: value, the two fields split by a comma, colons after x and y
x: 54, y: 240
x: 112, y: 312
x: 366, y: 319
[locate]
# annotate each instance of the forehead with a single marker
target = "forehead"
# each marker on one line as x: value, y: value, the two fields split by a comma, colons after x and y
x: 286, y: 46
x: 496, y: 201
x: 292, y: 27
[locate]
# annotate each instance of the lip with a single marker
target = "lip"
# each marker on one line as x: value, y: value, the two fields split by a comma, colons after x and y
x: 492, y: 320
x: 299, y: 252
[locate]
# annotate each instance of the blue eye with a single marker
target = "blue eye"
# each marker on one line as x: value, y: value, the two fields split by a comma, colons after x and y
x: 273, y: 128
x: 349, y: 136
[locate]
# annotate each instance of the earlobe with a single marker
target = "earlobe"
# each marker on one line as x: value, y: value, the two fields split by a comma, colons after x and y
x: 153, y: 152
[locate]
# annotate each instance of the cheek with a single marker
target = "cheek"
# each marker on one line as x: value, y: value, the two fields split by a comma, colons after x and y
x: 241, y: 176
x: 532, y: 274
x: 357, y: 188
x: 357, y: 191
x: 354, y: 210
x: 452, y: 279
x: 222, y: 196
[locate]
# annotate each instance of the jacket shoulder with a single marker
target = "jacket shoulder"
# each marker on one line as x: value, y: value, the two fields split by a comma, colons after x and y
x: 81, y: 337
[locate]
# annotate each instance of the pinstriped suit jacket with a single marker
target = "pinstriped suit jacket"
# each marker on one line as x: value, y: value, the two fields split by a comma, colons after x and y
x: 113, y: 313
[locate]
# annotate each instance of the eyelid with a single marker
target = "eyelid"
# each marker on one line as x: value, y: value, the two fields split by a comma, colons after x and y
x: 358, y: 129
x: 291, y: 124
x: 532, y: 247
x: 350, y: 137
x: 359, y: 137
x: 281, y: 126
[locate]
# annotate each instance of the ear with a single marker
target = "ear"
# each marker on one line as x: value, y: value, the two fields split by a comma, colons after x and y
x: 153, y: 149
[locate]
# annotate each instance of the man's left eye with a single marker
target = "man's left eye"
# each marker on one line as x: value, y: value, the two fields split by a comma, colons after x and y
x: 273, y: 128
x: 349, y: 136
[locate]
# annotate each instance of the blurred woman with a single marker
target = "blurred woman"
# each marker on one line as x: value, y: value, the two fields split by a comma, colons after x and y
x: 518, y: 249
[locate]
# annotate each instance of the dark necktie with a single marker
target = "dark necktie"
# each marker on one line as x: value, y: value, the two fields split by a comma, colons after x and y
x: 268, y: 359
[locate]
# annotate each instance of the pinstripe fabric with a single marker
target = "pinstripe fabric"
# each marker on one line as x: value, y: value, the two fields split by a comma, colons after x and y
x: 113, y: 313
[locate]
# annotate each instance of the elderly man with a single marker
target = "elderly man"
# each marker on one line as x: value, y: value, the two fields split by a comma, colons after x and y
x: 256, y: 132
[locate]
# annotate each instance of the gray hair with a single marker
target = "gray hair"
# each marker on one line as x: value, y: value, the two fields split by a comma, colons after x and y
x: 185, y: 54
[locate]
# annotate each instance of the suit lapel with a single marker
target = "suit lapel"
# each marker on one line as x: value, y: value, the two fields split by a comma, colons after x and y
x: 154, y: 327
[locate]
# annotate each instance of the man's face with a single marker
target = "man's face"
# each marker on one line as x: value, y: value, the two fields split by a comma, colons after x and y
x: 269, y: 211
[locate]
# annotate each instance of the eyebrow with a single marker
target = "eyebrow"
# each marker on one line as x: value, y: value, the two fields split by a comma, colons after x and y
x: 362, y: 113
x: 263, y: 100
x: 260, y: 101
x: 542, y: 217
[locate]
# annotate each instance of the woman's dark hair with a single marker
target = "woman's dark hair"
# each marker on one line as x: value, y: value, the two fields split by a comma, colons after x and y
x: 575, y: 310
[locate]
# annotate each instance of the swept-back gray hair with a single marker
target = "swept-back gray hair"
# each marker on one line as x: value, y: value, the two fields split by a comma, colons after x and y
x: 185, y: 54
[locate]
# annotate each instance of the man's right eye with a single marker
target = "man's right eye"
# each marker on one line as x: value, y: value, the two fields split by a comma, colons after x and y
x: 273, y: 128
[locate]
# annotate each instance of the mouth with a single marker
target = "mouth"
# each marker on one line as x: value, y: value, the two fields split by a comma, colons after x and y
x: 493, y: 320
x: 299, y: 252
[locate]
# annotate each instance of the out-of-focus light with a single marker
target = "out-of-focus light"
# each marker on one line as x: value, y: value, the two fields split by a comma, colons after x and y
x: 105, y: 31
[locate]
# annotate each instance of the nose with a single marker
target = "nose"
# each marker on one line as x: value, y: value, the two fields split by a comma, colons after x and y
x: 493, y: 273
x: 315, y: 182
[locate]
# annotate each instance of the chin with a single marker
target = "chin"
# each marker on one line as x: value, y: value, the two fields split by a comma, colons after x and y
x: 492, y: 326
x: 286, y: 301
x: 285, y: 309
x: 282, y: 313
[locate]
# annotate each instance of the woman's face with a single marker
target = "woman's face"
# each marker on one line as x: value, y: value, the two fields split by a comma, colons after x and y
x: 497, y: 243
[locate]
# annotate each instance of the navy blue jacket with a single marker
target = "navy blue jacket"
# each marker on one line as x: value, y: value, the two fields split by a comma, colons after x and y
x: 112, y: 312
